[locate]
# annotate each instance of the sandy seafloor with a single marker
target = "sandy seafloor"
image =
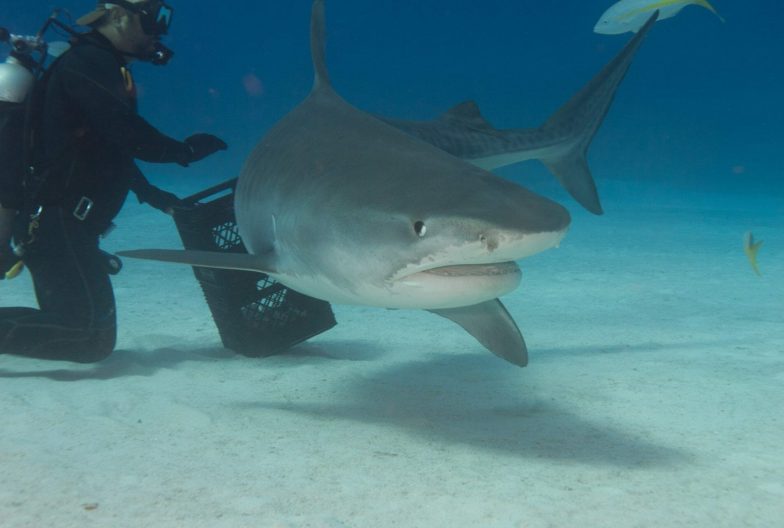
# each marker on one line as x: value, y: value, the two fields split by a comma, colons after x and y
x: 653, y: 397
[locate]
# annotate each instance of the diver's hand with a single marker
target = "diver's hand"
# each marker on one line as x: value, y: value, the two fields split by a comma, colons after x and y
x: 162, y: 200
x: 202, y: 145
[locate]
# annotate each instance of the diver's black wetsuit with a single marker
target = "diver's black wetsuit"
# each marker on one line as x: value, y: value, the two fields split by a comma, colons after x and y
x: 91, y: 133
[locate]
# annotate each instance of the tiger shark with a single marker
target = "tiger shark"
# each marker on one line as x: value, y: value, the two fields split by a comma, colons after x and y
x: 561, y: 143
x: 341, y: 206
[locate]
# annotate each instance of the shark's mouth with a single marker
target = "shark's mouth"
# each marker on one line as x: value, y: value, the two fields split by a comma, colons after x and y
x: 464, y: 275
x: 480, y: 261
x: 454, y: 285
x: 473, y: 270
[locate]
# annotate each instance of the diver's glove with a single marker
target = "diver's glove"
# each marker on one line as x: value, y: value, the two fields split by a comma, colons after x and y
x: 199, y: 146
x: 161, y: 200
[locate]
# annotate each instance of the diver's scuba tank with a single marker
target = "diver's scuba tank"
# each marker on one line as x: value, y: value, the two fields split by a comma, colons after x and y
x: 17, y: 79
x: 16, y: 83
x: 26, y: 60
x: 18, y: 75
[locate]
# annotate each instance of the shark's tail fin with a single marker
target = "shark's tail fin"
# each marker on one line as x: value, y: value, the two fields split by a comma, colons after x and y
x: 317, y: 45
x: 581, y: 117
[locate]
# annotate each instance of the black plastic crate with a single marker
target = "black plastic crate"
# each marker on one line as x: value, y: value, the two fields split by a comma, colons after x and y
x: 255, y: 315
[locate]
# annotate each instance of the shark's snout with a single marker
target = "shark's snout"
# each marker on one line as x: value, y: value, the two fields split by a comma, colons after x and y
x: 557, y: 217
x: 542, y: 219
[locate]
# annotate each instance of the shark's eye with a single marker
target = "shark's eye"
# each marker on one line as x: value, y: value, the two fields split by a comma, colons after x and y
x: 419, y: 228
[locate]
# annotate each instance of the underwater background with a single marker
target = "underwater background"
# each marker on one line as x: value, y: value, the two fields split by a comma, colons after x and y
x: 655, y: 386
x: 700, y: 108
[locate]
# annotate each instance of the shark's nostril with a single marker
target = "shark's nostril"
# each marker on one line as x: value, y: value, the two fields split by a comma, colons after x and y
x: 491, y: 243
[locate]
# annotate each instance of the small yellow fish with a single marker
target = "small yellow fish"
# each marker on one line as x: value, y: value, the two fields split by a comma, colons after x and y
x: 751, y: 249
x: 630, y: 15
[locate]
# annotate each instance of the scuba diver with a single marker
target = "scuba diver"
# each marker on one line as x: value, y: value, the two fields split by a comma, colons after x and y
x: 86, y: 135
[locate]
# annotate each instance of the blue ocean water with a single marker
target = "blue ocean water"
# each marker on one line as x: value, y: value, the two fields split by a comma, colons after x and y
x: 700, y: 107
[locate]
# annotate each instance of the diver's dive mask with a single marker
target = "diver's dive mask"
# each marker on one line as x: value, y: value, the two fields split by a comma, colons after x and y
x: 154, y: 15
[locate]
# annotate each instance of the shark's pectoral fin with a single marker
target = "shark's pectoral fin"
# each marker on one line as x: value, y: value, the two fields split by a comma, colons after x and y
x: 491, y: 325
x: 206, y: 259
x: 573, y: 173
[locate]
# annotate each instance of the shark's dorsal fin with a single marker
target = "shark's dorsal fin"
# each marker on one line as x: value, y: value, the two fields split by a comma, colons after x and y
x: 468, y: 114
x: 317, y: 46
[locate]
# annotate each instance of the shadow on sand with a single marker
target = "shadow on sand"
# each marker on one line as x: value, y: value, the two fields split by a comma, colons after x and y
x: 122, y: 363
x: 127, y: 363
x: 451, y: 399
x: 489, y: 406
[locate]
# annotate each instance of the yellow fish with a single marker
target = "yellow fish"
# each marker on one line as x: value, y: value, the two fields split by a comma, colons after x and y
x: 751, y: 249
x: 630, y: 15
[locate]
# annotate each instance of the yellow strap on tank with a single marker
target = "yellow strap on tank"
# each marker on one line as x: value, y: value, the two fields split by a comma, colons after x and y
x: 128, y: 79
x: 15, y: 270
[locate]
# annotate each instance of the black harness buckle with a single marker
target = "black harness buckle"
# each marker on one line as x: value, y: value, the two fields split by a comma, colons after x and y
x: 83, y: 208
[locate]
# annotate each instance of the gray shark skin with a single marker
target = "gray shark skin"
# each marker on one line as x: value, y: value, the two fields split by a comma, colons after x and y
x: 561, y: 143
x: 340, y: 206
